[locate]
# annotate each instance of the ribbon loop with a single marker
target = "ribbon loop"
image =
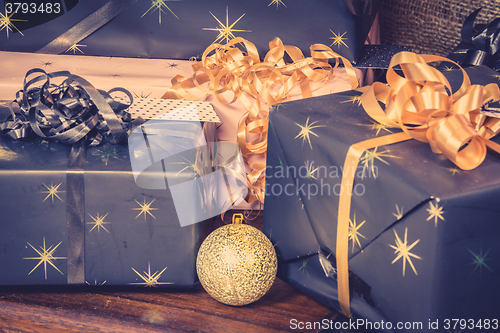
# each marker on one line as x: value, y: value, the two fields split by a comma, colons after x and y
x: 481, y: 47
x: 67, y: 112
x: 234, y: 72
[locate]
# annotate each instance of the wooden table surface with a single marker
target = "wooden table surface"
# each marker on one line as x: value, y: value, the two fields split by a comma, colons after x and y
x: 99, y: 309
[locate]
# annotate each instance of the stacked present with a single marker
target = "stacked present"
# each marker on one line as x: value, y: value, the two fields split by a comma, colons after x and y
x: 365, y: 217
x: 89, y: 208
x: 106, y: 183
x: 379, y: 224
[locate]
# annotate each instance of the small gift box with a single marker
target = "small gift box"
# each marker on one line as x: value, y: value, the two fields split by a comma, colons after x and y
x: 418, y: 234
x: 182, y: 29
x: 105, y: 214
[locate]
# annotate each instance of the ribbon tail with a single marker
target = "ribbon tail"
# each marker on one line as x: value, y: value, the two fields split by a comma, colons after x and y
x: 87, y: 26
x: 75, y: 212
x: 342, y: 250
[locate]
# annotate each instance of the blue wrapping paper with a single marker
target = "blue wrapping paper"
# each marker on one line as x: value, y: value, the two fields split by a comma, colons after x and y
x: 423, y: 234
x: 184, y: 29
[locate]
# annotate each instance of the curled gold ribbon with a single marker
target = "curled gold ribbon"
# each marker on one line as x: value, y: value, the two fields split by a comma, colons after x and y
x: 258, y: 85
x: 422, y: 105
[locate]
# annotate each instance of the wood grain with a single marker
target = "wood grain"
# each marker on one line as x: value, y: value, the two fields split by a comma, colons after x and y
x: 111, y: 309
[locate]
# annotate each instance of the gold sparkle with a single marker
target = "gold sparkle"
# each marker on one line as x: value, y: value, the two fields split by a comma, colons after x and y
x: 145, y: 208
x: 150, y: 280
x: 105, y: 155
x: 479, y: 261
x: 226, y: 31
x: 142, y: 95
x: 95, y: 283
x: 46, y: 63
x: 403, y: 251
x: 310, y: 171
x: 277, y: 3
x: 448, y: 69
x: 376, y: 126
x: 75, y: 48
x: 46, y: 256
x: 399, y: 213
x: 454, y: 171
x: 435, y: 212
x: 52, y: 192
x: 338, y: 39
x: 353, y: 99
x: 369, y: 157
x: 172, y: 65
x: 189, y: 165
x: 354, y: 233
x: 98, y: 222
x: 303, y: 267
x: 306, y: 131
x: 160, y: 6
x: 6, y: 154
x: 6, y: 23
x: 496, y: 76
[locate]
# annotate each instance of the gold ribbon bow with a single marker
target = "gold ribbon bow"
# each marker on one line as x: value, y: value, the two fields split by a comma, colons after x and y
x: 422, y: 105
x: 228, y: 70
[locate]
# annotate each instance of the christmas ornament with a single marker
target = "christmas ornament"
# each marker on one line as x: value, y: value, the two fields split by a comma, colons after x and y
x: 236, y: 263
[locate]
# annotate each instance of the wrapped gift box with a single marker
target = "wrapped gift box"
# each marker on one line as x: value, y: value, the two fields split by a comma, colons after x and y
x: 423, y: 236
x: 132, y: 233
x: 183, y: 29
x: 146, y: 78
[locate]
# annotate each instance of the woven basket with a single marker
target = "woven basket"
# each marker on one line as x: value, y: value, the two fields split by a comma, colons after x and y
x: 430, y: 26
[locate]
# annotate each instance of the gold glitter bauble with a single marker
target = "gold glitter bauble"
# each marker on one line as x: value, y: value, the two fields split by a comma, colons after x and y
x: 236, y: 264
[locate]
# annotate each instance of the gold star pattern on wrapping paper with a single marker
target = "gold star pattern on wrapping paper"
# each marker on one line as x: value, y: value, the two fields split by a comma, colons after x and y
x: 454, y: 171
x: 369, y: 157
x: 399, y: 213
x: 306, y: 131
x: 435, y: 212
x: 46, y: 256
x: 479, y: 261
x: 353, y: 99
x: 403, y: 251
x: 160, y: 5
x: 496, y: 76
x: 172, y: 65
x: 145, y: 208
x: 6, y: 23
x: 189, y: 165
x: 75, y: 48
x: 98, y: 223
x: 141, y: 95
x: 309, y: 171
x: 150, y: 280
x: 46, y: 63
x: 338, y: 39
x: 52, y: 192
x: 303, y: 267
x: 375, y: 126
x: 448, y: 69
x: 104, y: 156
x: 354, y: 233
x: 96, y: 283
x: 226, y: 31
x: 280, y: 162
x: 277, y: 3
